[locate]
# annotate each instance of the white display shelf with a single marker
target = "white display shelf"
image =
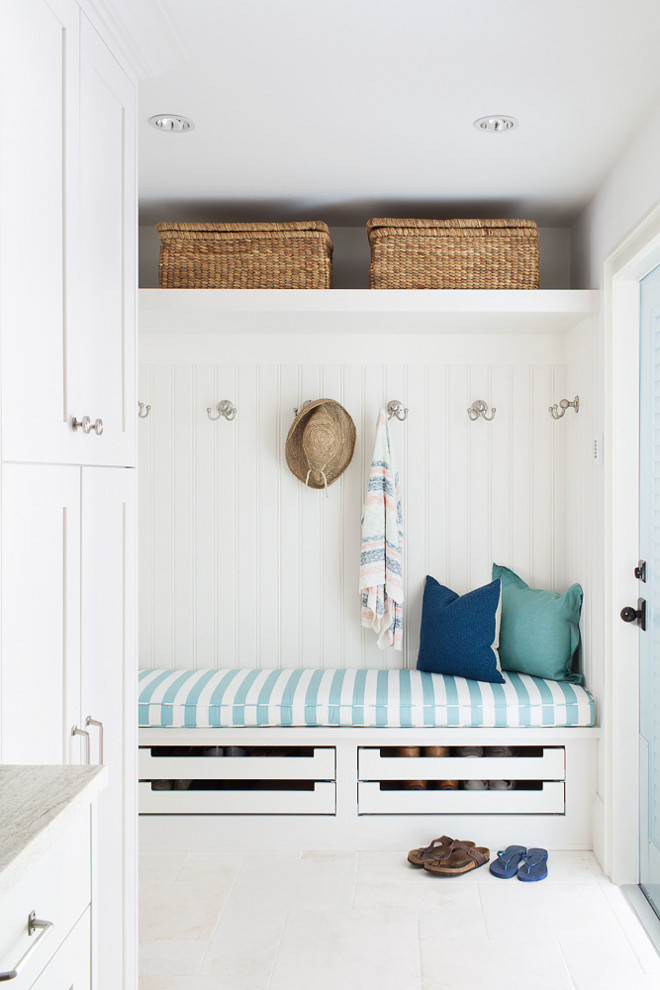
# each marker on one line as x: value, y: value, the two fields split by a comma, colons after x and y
x: 373, y: 310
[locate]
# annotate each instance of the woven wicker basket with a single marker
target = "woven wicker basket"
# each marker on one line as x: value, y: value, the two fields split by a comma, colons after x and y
x: 453, y: 254
x: 245, y: 255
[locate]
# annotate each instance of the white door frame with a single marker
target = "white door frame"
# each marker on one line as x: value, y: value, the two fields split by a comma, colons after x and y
x: 624, y: 268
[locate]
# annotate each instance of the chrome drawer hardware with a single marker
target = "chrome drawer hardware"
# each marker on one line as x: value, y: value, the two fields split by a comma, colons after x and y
x: 564, y: 405
x: 480, y: 408
x: 33, y: 924
x: 92, y: 721
x: 224, y: 408
x: 75, y: 731
x: 85, y: 424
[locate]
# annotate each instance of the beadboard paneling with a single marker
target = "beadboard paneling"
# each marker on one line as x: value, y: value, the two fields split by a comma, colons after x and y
x: 241, y: 565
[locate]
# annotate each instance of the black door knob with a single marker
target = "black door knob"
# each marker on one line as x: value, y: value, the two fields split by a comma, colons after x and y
x: 630, y: 614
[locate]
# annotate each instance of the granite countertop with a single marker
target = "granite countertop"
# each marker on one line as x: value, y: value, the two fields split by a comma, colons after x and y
x: 36, y: 803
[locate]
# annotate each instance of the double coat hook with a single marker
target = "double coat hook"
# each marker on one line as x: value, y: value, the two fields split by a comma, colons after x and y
x: 480, y: 408
x: 224, y: 408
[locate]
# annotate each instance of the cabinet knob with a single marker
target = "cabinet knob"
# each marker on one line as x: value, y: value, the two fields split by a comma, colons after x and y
x: 98, y: 427
x: 84, y: 424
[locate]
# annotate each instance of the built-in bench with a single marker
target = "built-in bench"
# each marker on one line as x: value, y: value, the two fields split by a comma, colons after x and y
x: 327, y: 747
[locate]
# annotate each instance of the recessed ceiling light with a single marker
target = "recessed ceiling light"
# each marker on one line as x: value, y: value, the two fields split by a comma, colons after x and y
x: 497, y: 122
x: 171, y: 122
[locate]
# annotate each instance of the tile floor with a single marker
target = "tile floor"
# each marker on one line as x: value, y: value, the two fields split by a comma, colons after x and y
x: 367, y: 920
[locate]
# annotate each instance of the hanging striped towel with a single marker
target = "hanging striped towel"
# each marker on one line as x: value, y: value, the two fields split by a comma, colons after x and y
x: 381, y: 557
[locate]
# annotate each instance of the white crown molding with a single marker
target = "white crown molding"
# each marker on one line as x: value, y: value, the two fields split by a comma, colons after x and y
x: 141, y: 34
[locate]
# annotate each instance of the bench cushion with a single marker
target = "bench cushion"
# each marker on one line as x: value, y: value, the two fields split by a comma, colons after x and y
x: 370, y: 698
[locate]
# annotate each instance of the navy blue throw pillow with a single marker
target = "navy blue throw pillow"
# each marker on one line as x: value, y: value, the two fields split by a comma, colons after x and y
x: 460, y: 635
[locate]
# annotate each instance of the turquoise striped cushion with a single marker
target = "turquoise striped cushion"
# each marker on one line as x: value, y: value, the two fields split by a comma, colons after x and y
x: 371, y: 698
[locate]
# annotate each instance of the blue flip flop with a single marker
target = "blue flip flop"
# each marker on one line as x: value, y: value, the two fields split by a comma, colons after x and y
x: 534, y: 865
x: 506, y: 864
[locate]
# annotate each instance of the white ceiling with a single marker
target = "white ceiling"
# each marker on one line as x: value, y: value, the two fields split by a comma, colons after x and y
x: 348, y: 109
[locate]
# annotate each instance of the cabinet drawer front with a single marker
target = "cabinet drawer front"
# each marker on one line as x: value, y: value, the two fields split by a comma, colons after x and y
x: 549, y: 764
x: 319, y: 801
x: 320, y: 765
x: 549, y: 800
x: 57, y: 888
x: 70, y: 967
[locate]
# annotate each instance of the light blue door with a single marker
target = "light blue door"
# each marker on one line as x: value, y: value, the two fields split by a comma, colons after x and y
x: 649, y: 587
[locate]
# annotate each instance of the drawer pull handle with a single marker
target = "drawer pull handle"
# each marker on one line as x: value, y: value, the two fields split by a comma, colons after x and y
x: 34, y: 924
x: 75, y: 731
x: 93, y: 721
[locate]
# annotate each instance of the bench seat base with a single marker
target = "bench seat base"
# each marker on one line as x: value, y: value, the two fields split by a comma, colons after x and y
x: 348, y: 788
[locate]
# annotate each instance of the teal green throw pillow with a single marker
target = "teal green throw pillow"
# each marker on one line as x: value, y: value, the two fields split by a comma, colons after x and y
x: 539, y: 632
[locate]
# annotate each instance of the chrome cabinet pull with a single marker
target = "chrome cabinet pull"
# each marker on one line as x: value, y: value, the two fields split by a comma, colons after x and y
x: 85, y: 424
x: 75, y: 731
x: 92, y: 721
x: 33, y: 925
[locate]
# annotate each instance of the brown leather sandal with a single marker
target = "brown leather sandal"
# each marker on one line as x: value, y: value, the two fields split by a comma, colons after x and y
x: 460, y: 858
x: 435, y: 851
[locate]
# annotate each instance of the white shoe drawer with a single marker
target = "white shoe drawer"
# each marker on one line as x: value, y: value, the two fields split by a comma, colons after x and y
x: 548, y: 765
x: 58, y: 890
x: 320, y: 765
x: 548, y: 800
x: 318, y: 800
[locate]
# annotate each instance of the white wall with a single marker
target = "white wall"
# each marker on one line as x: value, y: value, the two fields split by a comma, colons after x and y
x: 627, y: 194
x: 240, y: 565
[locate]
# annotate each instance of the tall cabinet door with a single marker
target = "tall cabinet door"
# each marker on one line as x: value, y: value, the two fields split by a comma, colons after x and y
x: 103, y: 362
x: 108, y: 696
x: 67, y: 240
x: 40, y: 613
x: 39, y: 68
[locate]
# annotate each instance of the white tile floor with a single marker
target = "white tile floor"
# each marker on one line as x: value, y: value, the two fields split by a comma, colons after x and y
x: 368, y: 920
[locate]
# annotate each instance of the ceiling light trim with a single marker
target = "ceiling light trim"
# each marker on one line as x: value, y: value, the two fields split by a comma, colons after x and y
x: 171, y: 123
x: 497, y: 123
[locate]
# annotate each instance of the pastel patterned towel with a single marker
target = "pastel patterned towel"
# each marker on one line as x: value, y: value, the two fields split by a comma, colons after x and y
x: 381, y: 557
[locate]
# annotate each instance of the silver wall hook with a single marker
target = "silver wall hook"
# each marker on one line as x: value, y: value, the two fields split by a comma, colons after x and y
x: 480, y: 408
x: 143, y: 410
x: 306, y: 403
x: 396, y: 408
x: 224, y: 408
x: 564, y: 404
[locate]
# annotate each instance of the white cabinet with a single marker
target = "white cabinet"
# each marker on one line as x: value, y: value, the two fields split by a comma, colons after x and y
x: 47, y: 852
x: 67, y: 333
x: 40, y: 697
x: 37, y: 214
x: 109, y: 696
x: 103, y: 364
x: 69, y: 969
x: 69, y: 654
x: 67, y: 239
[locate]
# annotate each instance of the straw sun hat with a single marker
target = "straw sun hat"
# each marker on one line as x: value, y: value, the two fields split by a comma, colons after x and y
x: 320, y: 443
